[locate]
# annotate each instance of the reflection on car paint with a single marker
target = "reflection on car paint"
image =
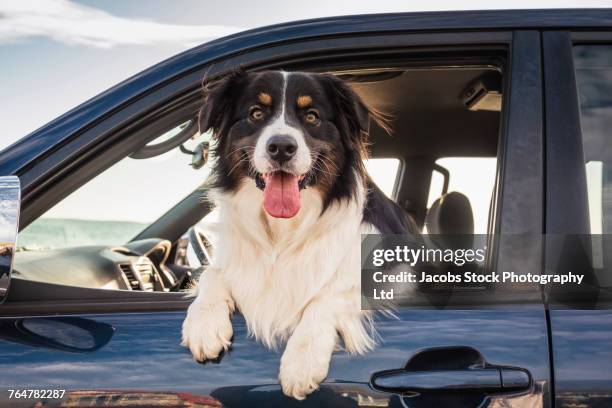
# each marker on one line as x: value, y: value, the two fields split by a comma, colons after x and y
x: 145, y: 354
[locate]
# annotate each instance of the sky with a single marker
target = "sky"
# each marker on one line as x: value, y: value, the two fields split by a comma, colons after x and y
x: 55, y: 54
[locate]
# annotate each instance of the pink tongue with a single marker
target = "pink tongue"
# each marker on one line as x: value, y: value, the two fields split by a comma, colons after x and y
x: 282, y: 195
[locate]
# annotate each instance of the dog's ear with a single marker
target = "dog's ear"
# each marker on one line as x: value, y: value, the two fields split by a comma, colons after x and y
x: 217, y: 108
x: 353, y: 114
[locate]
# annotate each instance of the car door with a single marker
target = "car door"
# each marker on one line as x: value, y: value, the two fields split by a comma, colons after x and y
x: 117, y: 349
x: 578, y: 83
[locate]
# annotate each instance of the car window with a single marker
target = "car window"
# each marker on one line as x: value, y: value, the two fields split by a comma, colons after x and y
x: 424, y: 107
x: 593, y: 64
x: 120, y: 202
x: 472, y: 176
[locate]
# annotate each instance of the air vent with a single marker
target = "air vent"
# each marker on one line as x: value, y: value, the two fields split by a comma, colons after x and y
x: 128, y: 272
x: 145, y: 271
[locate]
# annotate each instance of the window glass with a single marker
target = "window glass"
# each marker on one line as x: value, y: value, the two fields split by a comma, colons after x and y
x: 472, y: 176
x: 593, y: 65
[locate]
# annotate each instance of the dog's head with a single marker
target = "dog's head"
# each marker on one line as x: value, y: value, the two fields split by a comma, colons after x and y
x: 286, y: 132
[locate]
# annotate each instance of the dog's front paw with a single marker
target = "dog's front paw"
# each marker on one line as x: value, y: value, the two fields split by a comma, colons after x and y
x: 302, y: 370
x: 207, y: 330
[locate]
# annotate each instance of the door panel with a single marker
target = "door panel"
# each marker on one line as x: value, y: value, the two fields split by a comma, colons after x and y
x: 144, y: 355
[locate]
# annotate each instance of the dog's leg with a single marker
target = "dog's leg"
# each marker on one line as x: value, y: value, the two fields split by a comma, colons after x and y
x: 207, y: 329
x: 305, y: 362
x: 306, y: 359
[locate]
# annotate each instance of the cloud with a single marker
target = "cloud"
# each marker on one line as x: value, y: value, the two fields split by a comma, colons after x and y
x: 71, y: 23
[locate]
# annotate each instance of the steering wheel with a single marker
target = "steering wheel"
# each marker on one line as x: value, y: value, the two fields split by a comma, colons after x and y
x: 201, y: 245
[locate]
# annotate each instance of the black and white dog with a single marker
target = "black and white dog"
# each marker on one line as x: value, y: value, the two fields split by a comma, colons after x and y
x: 293, y: 198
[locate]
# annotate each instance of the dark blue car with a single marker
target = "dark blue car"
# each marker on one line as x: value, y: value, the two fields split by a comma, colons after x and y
x: 501, y: 122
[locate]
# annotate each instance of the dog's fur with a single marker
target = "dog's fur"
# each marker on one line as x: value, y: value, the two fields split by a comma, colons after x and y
x: 296, y: 279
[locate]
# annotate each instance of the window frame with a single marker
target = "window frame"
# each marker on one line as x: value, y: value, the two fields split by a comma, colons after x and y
x: 113, y: 136
x: 519, y: 193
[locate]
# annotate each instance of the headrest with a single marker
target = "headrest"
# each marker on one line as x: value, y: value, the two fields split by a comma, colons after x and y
x: 451, y: 214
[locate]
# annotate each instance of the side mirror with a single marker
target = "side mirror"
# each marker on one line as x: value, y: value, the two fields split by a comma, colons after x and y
x: 10, y: 201
x: 70, y: 334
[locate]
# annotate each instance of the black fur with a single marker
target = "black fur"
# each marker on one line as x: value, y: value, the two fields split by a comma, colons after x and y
x: 352, y: 120
x: 341, y: 139
x: 216, y: 115
x: 386, y: 215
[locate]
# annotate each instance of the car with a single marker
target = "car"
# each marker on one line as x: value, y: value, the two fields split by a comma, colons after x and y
x: 519, y: 99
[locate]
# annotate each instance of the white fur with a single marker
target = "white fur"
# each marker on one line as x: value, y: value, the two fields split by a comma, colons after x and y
x: 295, y: 280
x: 279, y: 126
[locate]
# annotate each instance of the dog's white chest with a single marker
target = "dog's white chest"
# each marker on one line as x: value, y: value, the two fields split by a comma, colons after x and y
x: 275, y: 268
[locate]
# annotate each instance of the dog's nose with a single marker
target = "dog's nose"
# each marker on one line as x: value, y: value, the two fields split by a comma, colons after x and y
x: 281, y: 148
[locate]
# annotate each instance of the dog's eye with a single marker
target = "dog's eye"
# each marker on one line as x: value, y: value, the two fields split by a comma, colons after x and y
x: 256, y: 113
x: 312, y: 117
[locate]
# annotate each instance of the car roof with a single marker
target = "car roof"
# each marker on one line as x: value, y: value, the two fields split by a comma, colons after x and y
x: 18, y: 155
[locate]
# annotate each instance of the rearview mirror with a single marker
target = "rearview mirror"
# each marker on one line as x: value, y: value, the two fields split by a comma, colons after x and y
x: 10, y: 200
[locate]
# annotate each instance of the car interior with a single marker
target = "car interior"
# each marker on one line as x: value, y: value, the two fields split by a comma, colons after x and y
x: 450, y: 110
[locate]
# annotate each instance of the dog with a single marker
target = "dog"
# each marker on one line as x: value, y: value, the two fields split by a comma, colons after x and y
x: 293, y: 198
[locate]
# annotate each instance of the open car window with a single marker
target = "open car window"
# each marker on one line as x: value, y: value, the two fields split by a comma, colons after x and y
x: 94, y: 228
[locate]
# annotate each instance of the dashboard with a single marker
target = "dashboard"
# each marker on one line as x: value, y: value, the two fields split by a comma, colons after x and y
x: 140, y: 266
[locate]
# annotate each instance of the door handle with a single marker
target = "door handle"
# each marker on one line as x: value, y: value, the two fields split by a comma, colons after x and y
x: 489, y: 379
x: 455, y: 369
